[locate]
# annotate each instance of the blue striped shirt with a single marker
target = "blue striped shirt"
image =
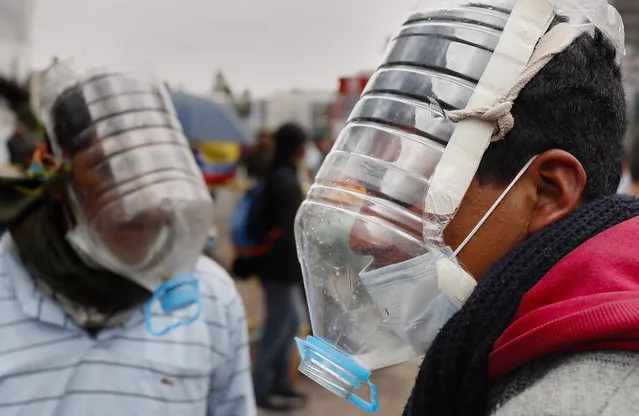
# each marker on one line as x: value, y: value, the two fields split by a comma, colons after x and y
x: 51, y: 367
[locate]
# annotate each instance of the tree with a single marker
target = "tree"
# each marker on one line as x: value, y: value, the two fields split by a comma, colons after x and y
x: 221, y: 86
x: 243, y: 104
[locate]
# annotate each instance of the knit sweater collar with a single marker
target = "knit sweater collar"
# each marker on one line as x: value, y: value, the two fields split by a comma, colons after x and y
x: 454, y: 377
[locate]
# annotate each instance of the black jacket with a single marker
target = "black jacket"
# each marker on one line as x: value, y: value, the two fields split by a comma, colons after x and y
x: 281, y: 199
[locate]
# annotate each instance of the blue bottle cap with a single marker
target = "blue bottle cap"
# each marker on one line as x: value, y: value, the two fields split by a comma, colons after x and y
x: 336, y: 371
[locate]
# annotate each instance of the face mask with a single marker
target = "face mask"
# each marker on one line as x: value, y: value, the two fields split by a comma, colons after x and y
x: 408, y: 297
x: 137, y: 200
x: 414, y: 299
x: 420, y: 295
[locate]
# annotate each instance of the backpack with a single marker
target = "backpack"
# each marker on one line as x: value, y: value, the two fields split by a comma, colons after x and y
x: 250, y: 231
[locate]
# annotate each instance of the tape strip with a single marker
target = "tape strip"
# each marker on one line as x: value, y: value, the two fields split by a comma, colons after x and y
x: 528, y: 22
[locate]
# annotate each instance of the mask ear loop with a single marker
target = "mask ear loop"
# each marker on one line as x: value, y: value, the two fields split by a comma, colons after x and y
x: 494, y: 206
x: 174, y: 295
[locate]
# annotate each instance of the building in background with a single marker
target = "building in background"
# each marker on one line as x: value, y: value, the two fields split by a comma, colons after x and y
x: 309, y: 109
x: 348, y: 93
x: 16, y: 38
x: 321, y: 113
x: 321, y: 119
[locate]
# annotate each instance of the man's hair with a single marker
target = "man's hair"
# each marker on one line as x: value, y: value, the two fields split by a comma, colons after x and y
x: 577, y: 104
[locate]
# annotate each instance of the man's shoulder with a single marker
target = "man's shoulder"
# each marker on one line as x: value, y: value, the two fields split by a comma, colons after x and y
x: 215, y: 281
x: 600, y: 383
x: 211, y: 273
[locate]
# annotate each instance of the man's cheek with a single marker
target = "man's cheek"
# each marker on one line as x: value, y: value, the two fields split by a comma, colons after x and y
x: 450, y: 236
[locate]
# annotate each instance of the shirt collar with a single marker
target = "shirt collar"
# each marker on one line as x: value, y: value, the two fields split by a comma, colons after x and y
x: 33, y: 303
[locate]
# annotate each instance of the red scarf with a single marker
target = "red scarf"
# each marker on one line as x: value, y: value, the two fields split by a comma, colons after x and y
x: 587, y: 301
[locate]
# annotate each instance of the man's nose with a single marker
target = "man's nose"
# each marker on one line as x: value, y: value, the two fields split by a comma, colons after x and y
x: 360, y: 239
x: 369, y: 238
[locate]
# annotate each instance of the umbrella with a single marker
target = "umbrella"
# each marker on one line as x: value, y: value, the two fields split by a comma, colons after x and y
x: 205, y: 120
x: 216, y: 133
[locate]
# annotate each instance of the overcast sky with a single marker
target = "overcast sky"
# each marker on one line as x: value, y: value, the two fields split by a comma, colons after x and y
x: 263, y: 45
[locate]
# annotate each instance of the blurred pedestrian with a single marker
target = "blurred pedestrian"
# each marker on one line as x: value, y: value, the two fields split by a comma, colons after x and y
x: 316, y: 152
x: 626, y: 178
x: 257, y: 158
x: 21, y: 146
x: 280, y: 275
x: 108, y: 306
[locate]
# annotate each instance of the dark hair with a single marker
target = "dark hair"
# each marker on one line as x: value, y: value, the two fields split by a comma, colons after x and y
x: 15, y: 94
x: 21, y: 149
x: 288, y: 139
x: 577, y: 104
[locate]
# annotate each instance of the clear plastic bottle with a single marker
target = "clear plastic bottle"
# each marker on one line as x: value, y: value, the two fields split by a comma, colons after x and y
x: 398, y: 173
x: 365, y: 210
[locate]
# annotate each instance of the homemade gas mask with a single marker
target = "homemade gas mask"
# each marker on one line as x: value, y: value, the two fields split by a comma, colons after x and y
x: 379, y: 278
x: 138, y: 205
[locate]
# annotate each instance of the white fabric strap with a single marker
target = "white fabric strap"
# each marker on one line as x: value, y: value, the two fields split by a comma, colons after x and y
x: 528, y: 22
x: 552, y: 44
x: 454, y: 282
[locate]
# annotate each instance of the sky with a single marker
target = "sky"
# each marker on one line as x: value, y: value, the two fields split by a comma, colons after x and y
x: 261, y: 45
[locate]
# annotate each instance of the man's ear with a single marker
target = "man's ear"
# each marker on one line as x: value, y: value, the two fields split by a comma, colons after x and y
x: 560, y: 180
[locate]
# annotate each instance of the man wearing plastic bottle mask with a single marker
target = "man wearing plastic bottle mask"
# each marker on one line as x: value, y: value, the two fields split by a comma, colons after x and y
x: 548, y: 259
x: 139, y: 238
x: 102, y: 267
x: 521, y: 290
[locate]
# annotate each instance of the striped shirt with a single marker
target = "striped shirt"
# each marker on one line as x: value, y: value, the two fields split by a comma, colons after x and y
x: 50, y: 367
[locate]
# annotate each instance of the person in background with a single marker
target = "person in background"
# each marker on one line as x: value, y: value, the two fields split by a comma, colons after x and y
x: 626, y: 179
x: 324, y: 143
x: 280, y: 274
x: 316, y: 152
x: 21, y: 146
x: 257, y: 158
x: 313, y: 158
x: 107, y: 305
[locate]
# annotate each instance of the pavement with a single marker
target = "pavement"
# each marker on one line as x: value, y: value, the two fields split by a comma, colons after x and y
x: 393, y: 384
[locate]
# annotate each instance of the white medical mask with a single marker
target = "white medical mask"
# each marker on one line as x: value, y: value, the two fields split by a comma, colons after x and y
x: 377, y: 317
x: 408, y: 297
x: 417, y: 297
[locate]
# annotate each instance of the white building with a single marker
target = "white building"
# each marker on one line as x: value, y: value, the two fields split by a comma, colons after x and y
x: 16, y: 18
x: 309, y: 109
